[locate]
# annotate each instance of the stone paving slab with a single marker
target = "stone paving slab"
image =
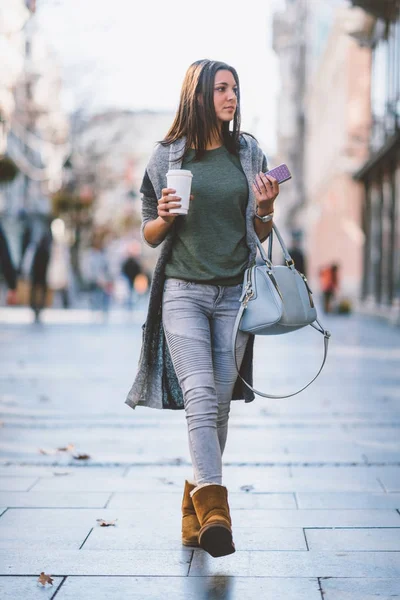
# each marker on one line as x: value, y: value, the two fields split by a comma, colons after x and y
x: 389, y: 456
x: 61, y: 561
x: 361, y: 474
x: 316, y: 518
x: 109, y: 484
x: 322, y: 483
x: 54, y: 499
x: 390, y: 478
x: 348, y: 500
x: 38, y: 533
x: 27, y: 588
x: 360, y: 589
x: 169, y: 538
x: 299, y: 564
x: 188, y: 588
x: 375, y: 433
x: 367, y: 540
x: 46, y: 471
x: 17, y: 484
x: 60, y: 527
x: 242, y: 500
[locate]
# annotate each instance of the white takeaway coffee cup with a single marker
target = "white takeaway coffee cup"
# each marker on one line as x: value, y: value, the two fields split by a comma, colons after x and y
x: 180, y: 180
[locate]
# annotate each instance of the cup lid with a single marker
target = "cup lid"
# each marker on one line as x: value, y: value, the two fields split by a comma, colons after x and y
x: 182, y: 172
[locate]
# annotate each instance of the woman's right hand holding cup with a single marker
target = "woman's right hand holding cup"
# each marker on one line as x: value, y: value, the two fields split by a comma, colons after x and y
x: 167, y: 202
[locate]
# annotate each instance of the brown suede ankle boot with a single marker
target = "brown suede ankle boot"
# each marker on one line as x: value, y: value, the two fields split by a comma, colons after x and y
x: 190, y: 522
x: 211, y: 505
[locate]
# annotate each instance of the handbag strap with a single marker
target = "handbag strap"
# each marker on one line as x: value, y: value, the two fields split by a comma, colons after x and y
x: 268, y: 259
x: 319, y: 328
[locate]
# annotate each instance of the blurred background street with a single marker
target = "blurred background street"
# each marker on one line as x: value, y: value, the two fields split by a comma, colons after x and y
x: 86, y: 89
x: 320, y: 91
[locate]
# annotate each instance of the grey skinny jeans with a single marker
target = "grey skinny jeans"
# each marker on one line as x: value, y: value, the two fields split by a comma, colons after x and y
x: 198, y: 322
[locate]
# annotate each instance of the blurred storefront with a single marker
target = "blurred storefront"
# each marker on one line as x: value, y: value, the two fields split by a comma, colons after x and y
x: 347, y: 91
x: 380, y: 173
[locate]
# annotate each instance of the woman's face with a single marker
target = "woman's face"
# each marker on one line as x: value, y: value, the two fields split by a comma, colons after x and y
x: 225, y: 96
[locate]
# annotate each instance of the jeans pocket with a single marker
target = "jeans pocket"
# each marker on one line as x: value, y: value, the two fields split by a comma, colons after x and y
x: 172, y: 284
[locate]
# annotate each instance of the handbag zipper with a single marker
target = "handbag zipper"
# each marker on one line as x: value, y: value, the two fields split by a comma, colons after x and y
x: 272, y: 278
x: 308, y: 289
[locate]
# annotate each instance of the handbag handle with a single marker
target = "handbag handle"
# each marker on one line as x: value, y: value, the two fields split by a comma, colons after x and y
x: 268, y: 259
x: 325, y: 333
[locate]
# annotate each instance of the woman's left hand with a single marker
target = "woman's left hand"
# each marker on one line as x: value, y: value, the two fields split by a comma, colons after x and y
x: 266, y: 189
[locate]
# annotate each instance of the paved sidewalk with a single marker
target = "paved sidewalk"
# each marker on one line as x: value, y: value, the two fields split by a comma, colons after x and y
x: 314, y: 480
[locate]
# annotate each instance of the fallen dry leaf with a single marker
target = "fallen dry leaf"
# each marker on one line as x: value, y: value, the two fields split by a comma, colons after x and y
x: 68, y: 448
x: 104, y: 523
x: 247, y: 488
x: 81, y: 456
x: 44, y: 578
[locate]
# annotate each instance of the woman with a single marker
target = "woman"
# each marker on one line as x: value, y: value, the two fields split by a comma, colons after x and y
x: 186, y: 360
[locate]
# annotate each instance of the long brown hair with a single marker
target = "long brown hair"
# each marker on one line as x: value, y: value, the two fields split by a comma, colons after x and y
x: 196, y: 120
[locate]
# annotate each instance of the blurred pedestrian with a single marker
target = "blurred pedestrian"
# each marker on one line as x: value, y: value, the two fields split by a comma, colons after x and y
x: 329, y: 284
x: 7, y: 269
x: 297, y: 254
x: 40, y: 263
x: 131, y: 269
x: 98, y: 274
x: 186, y: 359
x: 58, y: 274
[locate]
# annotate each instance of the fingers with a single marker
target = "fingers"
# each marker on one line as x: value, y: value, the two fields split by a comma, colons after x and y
x: 167, y: 202
x: 273, y: 182
x: 166, y: 191
x: 266, y: 186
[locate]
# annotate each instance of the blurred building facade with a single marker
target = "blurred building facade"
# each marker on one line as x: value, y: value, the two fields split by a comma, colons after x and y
x: 35, y: 128
x: 336, y: 145
x: 110, y: 151
x: 380, y: 173
x: 290, y: 44
x: 344, y: 98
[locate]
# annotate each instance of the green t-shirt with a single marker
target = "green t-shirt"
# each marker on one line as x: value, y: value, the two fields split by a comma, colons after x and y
x: 210, y: 243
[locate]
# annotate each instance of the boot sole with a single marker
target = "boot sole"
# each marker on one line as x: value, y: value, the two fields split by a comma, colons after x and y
x: 216, y: 540
x: 190, y: 543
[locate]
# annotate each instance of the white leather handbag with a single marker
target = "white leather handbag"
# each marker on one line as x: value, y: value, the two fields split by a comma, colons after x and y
x: 276, y: 299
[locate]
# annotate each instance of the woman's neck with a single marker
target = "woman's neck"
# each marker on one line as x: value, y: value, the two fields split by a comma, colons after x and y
x: 214, y: 145
x: 216, y: 141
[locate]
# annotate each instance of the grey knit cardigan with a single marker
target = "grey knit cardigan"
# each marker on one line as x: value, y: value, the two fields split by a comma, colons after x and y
x: 156, y: 384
